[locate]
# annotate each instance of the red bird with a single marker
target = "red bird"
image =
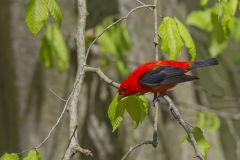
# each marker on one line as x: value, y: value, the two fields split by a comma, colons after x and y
x: 160, y: 76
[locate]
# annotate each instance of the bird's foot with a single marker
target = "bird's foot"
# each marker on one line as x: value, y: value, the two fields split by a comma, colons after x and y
x: 156, y: 97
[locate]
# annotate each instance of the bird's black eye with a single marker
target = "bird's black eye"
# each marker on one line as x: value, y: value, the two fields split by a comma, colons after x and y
x: 124, y: 90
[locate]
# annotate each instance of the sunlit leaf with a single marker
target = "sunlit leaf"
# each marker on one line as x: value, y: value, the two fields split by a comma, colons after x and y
x: 227, y: 16
x: 36, y: 15
x: 201, y: 19
x: 208, y: 121
x: 55, y: 11
x: 9, y: 156
x: 32, y: 155
x: 170, y: 40
x: 187, y: 39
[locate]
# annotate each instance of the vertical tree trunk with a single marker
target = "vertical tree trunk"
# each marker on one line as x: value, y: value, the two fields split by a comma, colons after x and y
x: 9, y: 138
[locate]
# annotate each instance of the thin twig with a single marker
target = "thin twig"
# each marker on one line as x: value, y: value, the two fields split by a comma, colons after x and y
x: 151, y: 8
x: 56, y: 95
x: 100, y: 73
x: 51, y: 130
x: 131, y: 149
x: 113, y: 24
x: 177, y: 116
x: 155, y: 125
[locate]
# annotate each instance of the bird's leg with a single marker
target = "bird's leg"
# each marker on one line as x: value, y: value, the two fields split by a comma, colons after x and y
x: 155, y: 98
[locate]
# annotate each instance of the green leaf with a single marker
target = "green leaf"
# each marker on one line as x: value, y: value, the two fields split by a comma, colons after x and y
x: 60, y: 48
x: 170, y: 40
x: 46, y: 49
x: 201, y: 19
x: 203, y: 3
x: 208, y: 121
x: 137, y: 108
x: 116, y: 111
x: 36, y: 15
x: 228, y: 12
x: 32, y: 155
x: 218, y: 40
x: 201, y: 140
x: 53, y: 43
x: 187, y: 39
x: 9, y: 156
x: 55, y: 11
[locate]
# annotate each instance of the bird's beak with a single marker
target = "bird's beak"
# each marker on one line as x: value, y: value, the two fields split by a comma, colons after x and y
x: 120, y: 96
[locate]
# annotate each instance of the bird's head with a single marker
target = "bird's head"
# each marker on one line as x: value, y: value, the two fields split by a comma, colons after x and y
x: 126, y: 88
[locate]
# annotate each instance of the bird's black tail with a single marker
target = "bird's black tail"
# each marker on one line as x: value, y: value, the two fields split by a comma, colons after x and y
x: 204, y: 63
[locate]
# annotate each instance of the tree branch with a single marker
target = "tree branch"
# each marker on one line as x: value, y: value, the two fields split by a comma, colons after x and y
x: 74, y: 146
x: 100, y: 73
x: 177, y: 116
x: 155, y: 125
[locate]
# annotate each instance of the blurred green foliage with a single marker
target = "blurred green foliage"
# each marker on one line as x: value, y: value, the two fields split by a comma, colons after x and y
x: 219, y: 22
x: 53, y: 45
x: 115, y: 42
x: 208, y: 121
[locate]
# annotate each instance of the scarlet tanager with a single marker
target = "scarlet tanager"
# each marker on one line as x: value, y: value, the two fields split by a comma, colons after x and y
x: 160, y: 76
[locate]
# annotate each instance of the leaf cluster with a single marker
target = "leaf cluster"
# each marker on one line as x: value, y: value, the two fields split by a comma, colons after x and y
x: 31, y: 155
x: 219, y: 22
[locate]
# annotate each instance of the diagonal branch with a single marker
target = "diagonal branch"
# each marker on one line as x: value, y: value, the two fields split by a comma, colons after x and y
x: 100, y: 73
x: 176, y: 114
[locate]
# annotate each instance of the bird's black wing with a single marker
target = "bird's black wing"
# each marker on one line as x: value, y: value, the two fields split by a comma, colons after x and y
x: 165, y: 75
